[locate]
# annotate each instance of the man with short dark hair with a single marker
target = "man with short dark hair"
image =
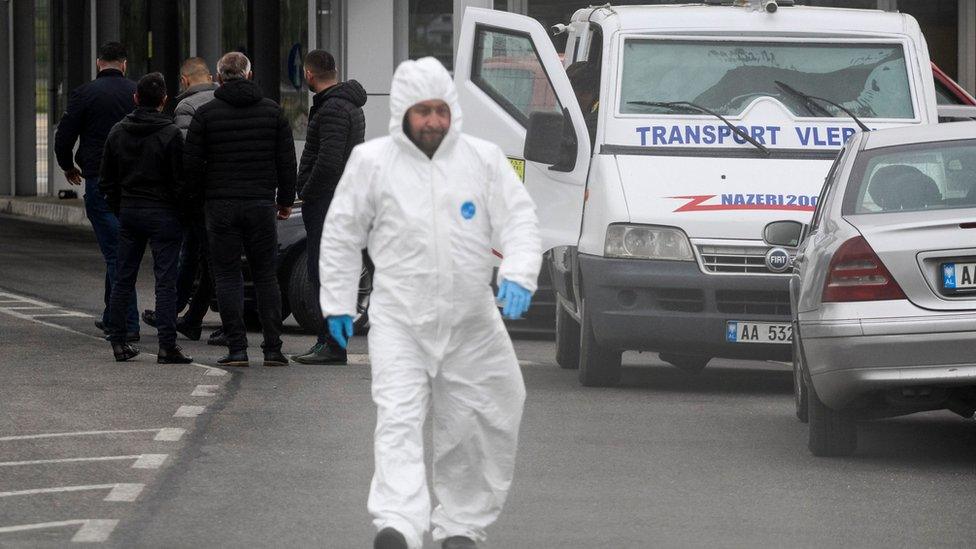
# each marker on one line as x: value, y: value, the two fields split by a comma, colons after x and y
x: 92, y: 110
x: 142, y: 180
x: 336, y: 124
x: 240, y: 155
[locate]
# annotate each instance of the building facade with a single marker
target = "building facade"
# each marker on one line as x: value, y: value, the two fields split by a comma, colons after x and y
x: 49, y: 48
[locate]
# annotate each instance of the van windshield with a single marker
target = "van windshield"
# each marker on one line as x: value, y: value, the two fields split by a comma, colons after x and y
x: 871, y: 80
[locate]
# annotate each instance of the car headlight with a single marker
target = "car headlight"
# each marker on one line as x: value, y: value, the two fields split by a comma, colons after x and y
x: 647, y: 242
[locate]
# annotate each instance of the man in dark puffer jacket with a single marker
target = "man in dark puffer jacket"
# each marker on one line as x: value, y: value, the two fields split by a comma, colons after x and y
x: 336, y: 124
x: 240, y: 154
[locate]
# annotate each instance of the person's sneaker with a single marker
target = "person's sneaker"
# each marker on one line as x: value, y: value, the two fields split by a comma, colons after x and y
x: 275, y: 358
x: 124, y: 351
x: 238, y: 358
x: 321, y: 353
x: 173, y: 355
x: 100, y: 325
x: 190, y: 332
x: 217, y: 338
x: 389, y: 538
x: 458, y: 542
x: 149, y: 317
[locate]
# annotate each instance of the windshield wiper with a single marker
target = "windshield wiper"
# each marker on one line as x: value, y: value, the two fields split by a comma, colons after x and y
x: 809, y: 100
x: 688, y: 106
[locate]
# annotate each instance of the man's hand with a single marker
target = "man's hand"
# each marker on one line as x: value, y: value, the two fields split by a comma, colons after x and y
x: 514, y: 298
x: 283, y: 212
x: 73, y: 176
x: 340, y: 328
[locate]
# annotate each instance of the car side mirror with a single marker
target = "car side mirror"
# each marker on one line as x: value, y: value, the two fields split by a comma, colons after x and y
x: 787, y: 233
x: 550, y: 139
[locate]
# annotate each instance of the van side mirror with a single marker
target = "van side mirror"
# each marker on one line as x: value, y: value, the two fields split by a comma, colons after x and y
x: 784, y: 233
x: 550, y: 139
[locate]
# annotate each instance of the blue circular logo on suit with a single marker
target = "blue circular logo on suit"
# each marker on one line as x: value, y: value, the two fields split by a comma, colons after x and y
x: 778, y: 260
x: 467, y: 210
x: 295, y: 65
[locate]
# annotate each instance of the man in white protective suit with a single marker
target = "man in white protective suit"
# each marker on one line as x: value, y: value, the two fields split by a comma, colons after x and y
x: 428, y: 202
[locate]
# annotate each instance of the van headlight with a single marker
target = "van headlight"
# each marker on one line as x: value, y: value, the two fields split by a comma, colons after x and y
x: 647, y: 242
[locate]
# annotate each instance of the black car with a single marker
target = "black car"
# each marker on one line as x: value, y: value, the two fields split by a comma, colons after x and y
x: 298, y: 299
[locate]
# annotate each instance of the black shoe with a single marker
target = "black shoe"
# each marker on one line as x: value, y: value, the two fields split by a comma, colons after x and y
x: 124, y: 351
x: 173, y: 355
x: 191, y: 332
x: 275, y: 358
x: 458, y: 542
x: 217, y: 338
x: 321, y: 353
x: 100, y: 325
x: 388, y: 538
x: 238, y: 359
x: 149, y: 317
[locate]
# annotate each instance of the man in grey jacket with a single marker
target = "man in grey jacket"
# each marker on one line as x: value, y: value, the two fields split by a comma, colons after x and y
x: 198, y: 87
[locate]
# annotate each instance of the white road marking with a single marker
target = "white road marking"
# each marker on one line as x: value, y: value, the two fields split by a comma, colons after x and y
x: 123, y: 491
x: 91, y: 531
x: 170, y: 434
x: 150, y: 461
x: 142, y: 461
x: 189, y: 411
x: 357, y: 359
x: 64, y: 313
x: 79, y: 434
x: 213, y: 371
x: 527, y: 363
x: 205, y: 390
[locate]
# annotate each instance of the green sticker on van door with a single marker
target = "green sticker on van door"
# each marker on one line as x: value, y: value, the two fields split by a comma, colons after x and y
x: 518, y: 165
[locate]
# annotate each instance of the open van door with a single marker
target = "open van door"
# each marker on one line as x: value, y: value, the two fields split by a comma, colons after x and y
x: 514, y: 92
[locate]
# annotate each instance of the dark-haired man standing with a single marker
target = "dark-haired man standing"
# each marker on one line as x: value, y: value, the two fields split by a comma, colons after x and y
x: 336, y: 124
x: 142, y: 180
x: 93, y: 109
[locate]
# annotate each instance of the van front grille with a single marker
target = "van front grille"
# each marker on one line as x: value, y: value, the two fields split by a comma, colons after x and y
x: 735, y: 259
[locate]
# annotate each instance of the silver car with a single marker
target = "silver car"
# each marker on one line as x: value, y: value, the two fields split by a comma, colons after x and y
x: 884, y: 283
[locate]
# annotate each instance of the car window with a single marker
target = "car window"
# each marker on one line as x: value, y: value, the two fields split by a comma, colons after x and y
x: 829, y: 184
x: 507, y: 67
x: 944, y: 96
x: 929, y: 176
x: 869, y: 79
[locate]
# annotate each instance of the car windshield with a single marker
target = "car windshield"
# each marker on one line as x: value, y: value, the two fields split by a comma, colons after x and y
x: 871, y: 80
x: 929, y: 176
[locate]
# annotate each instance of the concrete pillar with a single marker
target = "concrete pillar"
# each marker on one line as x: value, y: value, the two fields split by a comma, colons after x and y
x: 370, y: 57
x: 401, y: 31
x: 25, y: 100
x: 7, y: 154
x: 208, y: 32
x: 967, y: 45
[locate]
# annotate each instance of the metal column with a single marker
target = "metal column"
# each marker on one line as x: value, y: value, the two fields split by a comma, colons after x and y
x: 108, y: 19
x: 24, y: 115
x: 459, y: 7
x: 208, y: 32
x: 263, y: 37
x: 7, y: 153
x: 967, y: 45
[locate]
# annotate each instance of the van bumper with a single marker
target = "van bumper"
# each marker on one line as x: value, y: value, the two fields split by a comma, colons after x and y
x: 672, y: 306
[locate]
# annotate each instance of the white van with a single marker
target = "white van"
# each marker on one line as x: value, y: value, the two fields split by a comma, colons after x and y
x: 660, y: 144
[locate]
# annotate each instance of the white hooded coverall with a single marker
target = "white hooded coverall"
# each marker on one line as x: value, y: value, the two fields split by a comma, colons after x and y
x: 436, y: 336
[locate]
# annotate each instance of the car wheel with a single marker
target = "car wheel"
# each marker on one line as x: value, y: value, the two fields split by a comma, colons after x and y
x: 598, y: 365
x: 691, y: 364
x: 567, y: 339
x: 799, y: 384
x: 304, y: 305
x: 360, y: 323
x: 832, y: 433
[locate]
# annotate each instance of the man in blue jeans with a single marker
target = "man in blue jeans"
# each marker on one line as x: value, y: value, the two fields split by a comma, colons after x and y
x: 93, y: 109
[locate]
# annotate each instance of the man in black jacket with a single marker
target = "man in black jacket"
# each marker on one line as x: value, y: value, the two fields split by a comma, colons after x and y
x: 240, y: 154
x: 336, y: 124
x: 92, y: 110
x: 141, y: 179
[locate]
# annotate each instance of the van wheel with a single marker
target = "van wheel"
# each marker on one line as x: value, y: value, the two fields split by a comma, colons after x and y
x: 800, y: 390
x: 832, y: 433
x: 567, y: 339
x: 305, y: 304
x: 598, y: 365
x: 691, y: 364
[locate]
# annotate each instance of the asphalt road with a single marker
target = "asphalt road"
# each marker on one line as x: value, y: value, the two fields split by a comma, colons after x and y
x: 192, y: 456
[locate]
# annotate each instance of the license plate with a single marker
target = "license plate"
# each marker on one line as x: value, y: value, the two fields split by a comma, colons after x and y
x: 958, y: 276
x: 738, y: 331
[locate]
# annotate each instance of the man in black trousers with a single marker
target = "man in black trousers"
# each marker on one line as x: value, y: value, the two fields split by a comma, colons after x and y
x: 240, y: 154
x: 336, y: 124
x: 142, y: 181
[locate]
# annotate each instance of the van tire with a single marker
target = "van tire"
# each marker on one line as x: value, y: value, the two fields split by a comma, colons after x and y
x: 567, y: 339
x: 598, y: 365
x: 832, y: 433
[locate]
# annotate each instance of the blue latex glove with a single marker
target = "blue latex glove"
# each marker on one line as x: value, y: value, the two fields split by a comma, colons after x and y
x: 515, y: 299
x: 340, y: 328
